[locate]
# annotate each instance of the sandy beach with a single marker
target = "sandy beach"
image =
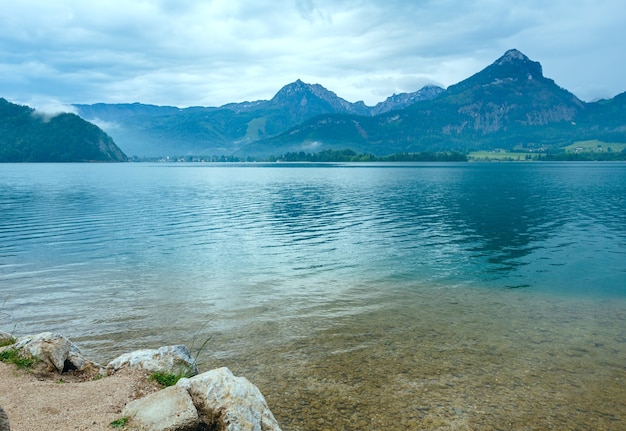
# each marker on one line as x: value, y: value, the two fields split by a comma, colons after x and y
x: 67, y: 402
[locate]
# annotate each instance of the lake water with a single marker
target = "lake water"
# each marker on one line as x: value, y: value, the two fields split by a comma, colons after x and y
x: 374, y: 296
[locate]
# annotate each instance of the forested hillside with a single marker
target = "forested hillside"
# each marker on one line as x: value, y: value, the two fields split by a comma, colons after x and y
x: 27, y: 136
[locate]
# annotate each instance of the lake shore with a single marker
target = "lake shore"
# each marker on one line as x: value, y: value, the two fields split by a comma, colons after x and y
x: 61, y: 402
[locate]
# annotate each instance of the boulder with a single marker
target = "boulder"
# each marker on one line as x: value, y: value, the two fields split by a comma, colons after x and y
x: 167, y: 359
x: 56, y: 352
x: 216, y: 400
x: 171, y: 409
x: 229, y: 403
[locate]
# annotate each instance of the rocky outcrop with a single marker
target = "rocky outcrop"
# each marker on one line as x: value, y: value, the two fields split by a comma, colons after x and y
x: 221, y: 401
x: 167, y: 359
x: 54, y: 352
x: 215, y: 400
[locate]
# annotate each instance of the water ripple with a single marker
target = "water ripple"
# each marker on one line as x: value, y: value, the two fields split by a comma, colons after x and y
x: 237, y: 237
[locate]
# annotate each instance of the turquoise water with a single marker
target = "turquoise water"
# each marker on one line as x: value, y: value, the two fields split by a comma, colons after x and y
x: 378, y: 293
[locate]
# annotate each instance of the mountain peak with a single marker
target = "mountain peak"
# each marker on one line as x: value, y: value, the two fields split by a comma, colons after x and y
x: 511, y: 56
x: 515, y: 64
x: 294, y: 88
x: 404, y: 100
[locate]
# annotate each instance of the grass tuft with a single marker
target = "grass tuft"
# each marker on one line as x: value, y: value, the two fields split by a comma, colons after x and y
x: 8, y: 341
x: 12, y: 356
x: 119, y: 423
x: 167, y: 379
x: 204, y: 343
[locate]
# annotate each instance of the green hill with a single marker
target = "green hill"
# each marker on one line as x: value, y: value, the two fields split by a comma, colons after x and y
x: 27, y: 136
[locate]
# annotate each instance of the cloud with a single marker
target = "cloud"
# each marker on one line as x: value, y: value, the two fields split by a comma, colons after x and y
x: 196, y: 52
x: 105, y: 125
x: 49, y: 107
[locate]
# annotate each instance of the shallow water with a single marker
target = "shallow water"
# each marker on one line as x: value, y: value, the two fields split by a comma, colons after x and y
x: 418, y: 296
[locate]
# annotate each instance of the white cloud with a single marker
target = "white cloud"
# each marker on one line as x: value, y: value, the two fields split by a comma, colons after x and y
x: 195, y: 52
x: 48, y: 108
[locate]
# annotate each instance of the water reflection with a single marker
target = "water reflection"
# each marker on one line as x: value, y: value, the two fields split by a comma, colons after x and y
x: 235, y: 237
x: 321, y: 282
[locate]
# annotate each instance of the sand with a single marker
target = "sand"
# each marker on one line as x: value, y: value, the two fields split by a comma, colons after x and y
x: 68, y: 402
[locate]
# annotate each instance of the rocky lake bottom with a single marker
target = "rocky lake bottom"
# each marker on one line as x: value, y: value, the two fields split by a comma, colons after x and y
x: 434, y: 359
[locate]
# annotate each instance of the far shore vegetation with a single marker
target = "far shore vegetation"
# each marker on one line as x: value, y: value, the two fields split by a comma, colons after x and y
x: 592, y: 150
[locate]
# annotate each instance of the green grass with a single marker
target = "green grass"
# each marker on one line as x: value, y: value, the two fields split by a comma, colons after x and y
x: 170, y: 379
x: 119, y: 423
x: 256, y: 128
x: 202, y: 346
x: 594, y: 146
x: 167, y: 379
x: 12, y: 356
x: 7, y: 342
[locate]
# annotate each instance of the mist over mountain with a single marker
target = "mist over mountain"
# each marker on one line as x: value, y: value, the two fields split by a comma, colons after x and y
x: 508, y: 105
x: 149, y: 130
x: 29, y: 136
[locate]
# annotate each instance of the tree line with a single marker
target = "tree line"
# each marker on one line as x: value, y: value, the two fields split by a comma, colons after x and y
x: 348, y: 155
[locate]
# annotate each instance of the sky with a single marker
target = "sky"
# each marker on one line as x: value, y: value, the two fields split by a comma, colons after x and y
x: 212, y: 52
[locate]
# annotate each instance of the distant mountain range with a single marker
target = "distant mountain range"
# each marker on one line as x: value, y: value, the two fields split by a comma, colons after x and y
x: 509, y: 105
x: 28, y: 136
x: 148, y: 130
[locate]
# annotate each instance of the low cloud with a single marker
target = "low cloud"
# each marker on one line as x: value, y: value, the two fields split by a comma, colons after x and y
x: 49, y: 108
x: 105, y: 125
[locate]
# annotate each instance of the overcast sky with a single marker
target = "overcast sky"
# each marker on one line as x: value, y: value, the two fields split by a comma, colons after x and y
x: 211, y: 52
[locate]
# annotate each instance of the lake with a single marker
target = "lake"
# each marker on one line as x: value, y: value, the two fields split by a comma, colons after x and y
x: 356, y: 296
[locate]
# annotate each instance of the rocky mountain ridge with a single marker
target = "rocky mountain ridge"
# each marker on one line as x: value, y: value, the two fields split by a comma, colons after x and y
x: 149, y: 130
x: 509, y: 105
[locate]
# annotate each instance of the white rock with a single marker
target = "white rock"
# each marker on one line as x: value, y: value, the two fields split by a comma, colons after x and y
x: 54, y: 350
x: 229, y: 403
x: 167, y: 359
x: 168, y: 410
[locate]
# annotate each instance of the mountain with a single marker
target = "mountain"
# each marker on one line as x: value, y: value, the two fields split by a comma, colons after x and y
x: 606, y: 119
x: 306, y: 100
x: 404, y: 100
x: 509, y: 104
x: 28, y: 136
x: 148, y: 130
